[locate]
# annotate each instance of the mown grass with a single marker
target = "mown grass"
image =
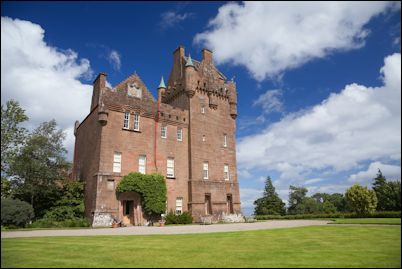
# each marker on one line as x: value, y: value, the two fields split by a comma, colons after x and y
x: 316, y: 246
x: 393, y: 221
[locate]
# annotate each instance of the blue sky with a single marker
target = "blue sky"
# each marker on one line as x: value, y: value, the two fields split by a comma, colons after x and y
x: 318, y: 84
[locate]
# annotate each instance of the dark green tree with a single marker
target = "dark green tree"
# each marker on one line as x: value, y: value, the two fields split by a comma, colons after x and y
x: 296, y: 196
x: 39, y: 165
x: 71, y: 203
x: 380, y: 188
x: 270, y: 203
x: 308, y: 205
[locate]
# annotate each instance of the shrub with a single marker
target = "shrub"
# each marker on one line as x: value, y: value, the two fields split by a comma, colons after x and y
x: 152, y: 189
x: 15, y: 213
x: 183, y: 218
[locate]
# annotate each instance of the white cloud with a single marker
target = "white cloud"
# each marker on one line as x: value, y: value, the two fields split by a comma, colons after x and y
x: 358, y: 124
x: 114, y: 59
x: 42, y: 78
x: 248, y: 196
x: 391, y: 172
x: 172, y: 19
x: 269, y: 38
x: 313, y: 180
x: 270, y: 101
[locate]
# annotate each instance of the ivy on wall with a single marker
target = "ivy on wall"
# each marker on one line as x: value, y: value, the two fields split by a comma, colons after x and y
x: 151, y: 187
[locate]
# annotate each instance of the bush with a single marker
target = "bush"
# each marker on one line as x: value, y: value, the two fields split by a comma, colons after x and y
x: 183, y: 218
x: 390, y: 214
x: 152, y: 189
x: 15, y: 213
x: 49, y: 223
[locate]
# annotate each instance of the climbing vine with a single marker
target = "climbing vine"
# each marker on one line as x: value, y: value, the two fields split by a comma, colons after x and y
x: 152, y: 189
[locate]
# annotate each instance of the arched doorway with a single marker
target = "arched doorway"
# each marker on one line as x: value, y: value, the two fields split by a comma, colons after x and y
x: 130, y: 211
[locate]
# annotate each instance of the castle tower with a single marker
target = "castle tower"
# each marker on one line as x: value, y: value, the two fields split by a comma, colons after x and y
x: 211, y: 102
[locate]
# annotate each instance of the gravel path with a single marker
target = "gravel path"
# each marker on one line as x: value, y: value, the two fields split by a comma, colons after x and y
x: 188, y: 229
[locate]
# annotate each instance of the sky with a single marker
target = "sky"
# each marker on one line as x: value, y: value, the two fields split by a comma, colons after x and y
x: 319, y: 83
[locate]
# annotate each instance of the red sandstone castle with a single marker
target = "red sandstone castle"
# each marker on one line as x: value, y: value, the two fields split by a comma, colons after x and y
x: 187, y: 135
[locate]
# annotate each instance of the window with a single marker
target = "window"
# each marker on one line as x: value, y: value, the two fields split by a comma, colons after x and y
x: 136, y: 122
x: 203, y: 138
x: 170, y: 167
x: 142, y: 163
x: 225, y: 140
x: 117, y: 162
x: 164, y: 131
x: 205, y: 170
x: 226, y: 172
x: 179, y: 205
x: 179, y: 134
x: 110, y: 184
x: 202, y: 109
x: 126, y: 123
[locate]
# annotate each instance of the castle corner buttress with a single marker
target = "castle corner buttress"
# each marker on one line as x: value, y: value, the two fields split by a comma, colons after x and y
x: 187, y: 135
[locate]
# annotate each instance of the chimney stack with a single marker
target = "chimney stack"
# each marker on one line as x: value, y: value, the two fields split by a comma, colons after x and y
x: 98, y: 84
x: 207, y: 56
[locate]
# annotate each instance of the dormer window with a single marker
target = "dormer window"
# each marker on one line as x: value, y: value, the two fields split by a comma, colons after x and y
x: 134, y: 90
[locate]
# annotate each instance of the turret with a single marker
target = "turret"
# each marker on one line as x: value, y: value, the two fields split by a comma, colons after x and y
x: 161, y: 90
x: 231, y: 87
x: 190, y: 77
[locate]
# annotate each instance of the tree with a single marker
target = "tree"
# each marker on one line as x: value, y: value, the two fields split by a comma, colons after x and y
x: 71, y: 203
x: 379, y: 186
x: 296, y: 196
x: 270, y: 203
x: 308, y: 205
x: 12, y: 135
x: 5, y: 188
x: 393, y: 196
x: 361, y: 200
x: 339, y: 201
x: 39, y: 164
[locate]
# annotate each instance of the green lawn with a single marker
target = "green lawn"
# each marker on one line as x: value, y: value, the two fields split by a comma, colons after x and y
x: 319, y: 246
x: 394, y: 221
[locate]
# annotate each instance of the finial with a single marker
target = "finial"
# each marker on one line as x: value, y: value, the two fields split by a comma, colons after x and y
x: 162, y: 84
x: 189, y: 61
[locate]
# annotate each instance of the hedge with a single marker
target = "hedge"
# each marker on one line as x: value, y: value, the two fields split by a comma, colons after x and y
x: 49, y: 223
x: 383, y: 214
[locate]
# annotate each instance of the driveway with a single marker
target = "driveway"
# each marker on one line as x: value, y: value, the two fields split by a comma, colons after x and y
x: 185, y: 229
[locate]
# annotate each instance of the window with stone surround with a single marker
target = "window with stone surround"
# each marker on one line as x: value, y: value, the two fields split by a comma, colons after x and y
x: 164, y: 131
x: 205, y: 170
x: 226, y: 172
x: 117, y: 162
x: 225, y: 140
x: 136, y: 121
x: 202, y: 109
x: 179, y: 205
x: 142, y: 164
x: 179, y: 134
x: 126, y: 123
x: 170, y: 167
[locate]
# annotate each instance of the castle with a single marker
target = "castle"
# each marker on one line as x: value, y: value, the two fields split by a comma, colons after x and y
x: 187, y: 135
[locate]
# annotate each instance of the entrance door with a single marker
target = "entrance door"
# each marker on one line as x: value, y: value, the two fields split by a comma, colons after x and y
x: 128, y: 211
x: 229, y: 204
